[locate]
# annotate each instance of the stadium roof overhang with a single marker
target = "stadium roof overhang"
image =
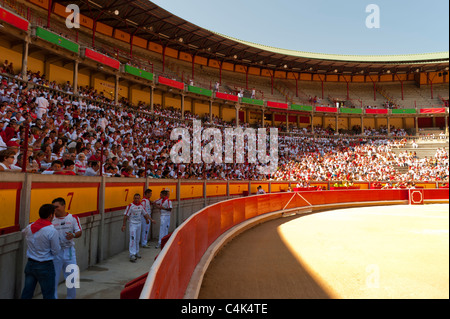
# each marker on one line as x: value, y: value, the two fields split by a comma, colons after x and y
x: 144, y: 19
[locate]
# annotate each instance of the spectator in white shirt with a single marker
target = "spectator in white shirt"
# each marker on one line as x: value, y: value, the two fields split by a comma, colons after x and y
x: 43, y: 105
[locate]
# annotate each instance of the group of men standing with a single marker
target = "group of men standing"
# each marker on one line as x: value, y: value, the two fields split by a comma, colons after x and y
x: 51, y: 249
x: 138, y: 214
x: 51, y: 246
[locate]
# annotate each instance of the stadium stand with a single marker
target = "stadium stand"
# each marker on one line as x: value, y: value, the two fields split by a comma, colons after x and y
x: 102, y: 101
x: 90, y: 116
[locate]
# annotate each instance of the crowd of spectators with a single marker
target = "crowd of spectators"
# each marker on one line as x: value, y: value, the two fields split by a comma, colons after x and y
x: 88, y: 135
x: 353, y: 159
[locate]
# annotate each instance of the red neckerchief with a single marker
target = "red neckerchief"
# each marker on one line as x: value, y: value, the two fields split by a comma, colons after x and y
x: 39, y: 224
x: 163, y: 200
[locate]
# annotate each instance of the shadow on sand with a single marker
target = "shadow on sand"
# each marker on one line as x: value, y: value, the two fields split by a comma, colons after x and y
x: 258, y: 265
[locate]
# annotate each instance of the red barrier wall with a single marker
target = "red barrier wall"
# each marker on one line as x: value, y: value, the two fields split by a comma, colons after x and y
x: 171, y: 273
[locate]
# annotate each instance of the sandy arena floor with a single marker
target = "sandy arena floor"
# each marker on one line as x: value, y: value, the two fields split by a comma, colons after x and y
x: 377, y: 252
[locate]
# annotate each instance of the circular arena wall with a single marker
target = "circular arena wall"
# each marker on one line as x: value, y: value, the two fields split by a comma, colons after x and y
x: 214, y: 226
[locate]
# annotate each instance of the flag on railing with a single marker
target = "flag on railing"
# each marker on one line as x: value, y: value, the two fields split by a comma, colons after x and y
x: 433, y: 111
x: 14, y: 20
x: 277, y: 105
x: 171, y: 83
x: 56, y: 39
x: 326, y: 109
x: 101, y: 58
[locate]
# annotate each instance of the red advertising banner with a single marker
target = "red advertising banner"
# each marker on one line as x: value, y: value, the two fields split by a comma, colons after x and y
x: 433, y: 111
x: 171, y: 83
x: 277, y: 105
x: 228, y: 97
x: 327, y: 109
x: 14, y: 20
x: 101, y: 58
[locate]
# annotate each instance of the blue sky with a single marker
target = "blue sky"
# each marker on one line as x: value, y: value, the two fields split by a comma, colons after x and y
x: 324, y: 26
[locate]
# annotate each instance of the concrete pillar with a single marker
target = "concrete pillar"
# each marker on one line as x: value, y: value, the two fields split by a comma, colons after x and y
x: 26, y: 44
x: 75, y: 77
x: 263, y: 118
x: 178, y: 211
x: 47, y: 68
x: 24, y: 221
x: 205, y: 194
x: 446, y: 125
x: 193, y: 106
x: 287, y: 122
x: 163, y: 100
x: 116, y: 90
x: 130, y: 93
x: 388, y: 125
x: 210, y: 111
x: 92, y: 79
x: 237, y: 107
x: 182, y: 106
x: 362, y: 125
x: 416, y: 125
x: 152, y: 93
x: 101, y: 231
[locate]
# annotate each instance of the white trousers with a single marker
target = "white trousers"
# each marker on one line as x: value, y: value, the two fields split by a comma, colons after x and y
x: 164, y: 227
x: 135, y: 235
x: 145, y: 230
x: 66, y: 261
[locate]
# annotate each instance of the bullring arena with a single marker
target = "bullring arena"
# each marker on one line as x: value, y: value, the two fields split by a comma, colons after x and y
x: 357, y: 207
x: 390, y: 252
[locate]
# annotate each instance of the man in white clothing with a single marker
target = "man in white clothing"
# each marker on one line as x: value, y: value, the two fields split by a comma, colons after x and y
x: 42, y: 247
x: 42, y: 104
x: 69, y: 228
x: 165, y: 205
x: 146, y: 202
x: 260, y: 191
x: 93, y: 169
x: 133, y: 213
